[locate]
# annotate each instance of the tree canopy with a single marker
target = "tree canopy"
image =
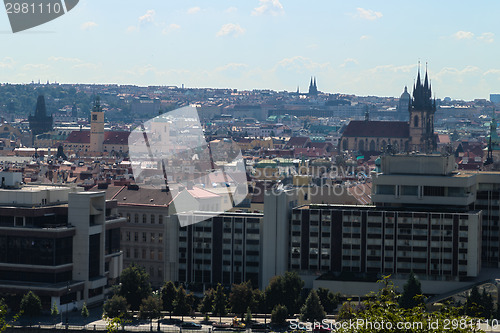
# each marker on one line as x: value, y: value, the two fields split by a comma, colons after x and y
x: 31, y: 305
x: 135, y: 285
x: 411, y: 292
x: 312, y: 310
x: 115, y: 306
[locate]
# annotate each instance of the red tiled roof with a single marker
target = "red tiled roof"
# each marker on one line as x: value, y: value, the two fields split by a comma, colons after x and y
x: 297, y: 141
x: 382, y: 129
x: 110, y: 137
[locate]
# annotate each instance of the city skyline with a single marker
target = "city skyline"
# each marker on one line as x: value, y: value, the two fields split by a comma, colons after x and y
x: 362, y: 48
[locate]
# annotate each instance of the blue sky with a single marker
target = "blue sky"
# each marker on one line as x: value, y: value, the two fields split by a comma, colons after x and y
x: 354, y: 47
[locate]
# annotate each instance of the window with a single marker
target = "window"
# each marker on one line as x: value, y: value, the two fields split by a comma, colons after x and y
x: 409, y: 190
x: 160, y: 255
x: 152, y: 219
x: 127, y: 252
x: 94, y: 117
x: 144, y: 237
x: 128, y: 236
x: 128, y: 217
x: 136, y: 218
x: 143, y: 253
x: 385, y: 189
x: 160, y: 219
x: 144, y: 218
x: 433, y: 191
x: 136, y: 253
x: 152, y: 237
x: 160, y: 238
x: 136, y: 236
x: 152, y: 254
x: 151, y: 271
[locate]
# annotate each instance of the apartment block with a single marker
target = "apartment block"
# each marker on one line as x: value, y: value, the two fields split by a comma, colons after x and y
x: 57, y: 241
x: 225, y: 248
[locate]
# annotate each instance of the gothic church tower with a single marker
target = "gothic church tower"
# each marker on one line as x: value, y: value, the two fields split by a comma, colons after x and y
x: 422, y: 109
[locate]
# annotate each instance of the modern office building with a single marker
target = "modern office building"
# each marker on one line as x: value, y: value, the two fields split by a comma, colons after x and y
x: 59, y: 242
x: 373, y: 241
x: 225, y: 248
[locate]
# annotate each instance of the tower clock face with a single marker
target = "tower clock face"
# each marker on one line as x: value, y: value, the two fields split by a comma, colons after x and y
x: 94, y: 117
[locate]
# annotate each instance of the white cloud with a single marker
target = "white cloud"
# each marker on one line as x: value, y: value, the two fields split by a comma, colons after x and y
x: 231, y: 67
x: 367, y: 14
x: 88, y: 25
x: 364, y: 37
x: 487, y: 37
x: 149, y: 17
x: 170, y: 28
x: 393, y: 68
x: 301, y: 64
x: 6, y: 63
x: 64, y: 59
x: 230, y: 29
x: 349, y: 62
x: 231, y: 10
x: 132, y: 28
x: 41, y: 67
x: 193, y: 10
x: 273, y: 7
x: 463, y: 35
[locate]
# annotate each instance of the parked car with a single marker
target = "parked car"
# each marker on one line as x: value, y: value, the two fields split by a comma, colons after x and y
x: 191, y: 325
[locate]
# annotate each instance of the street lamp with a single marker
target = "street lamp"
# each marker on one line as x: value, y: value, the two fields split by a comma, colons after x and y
x: 68, y: 289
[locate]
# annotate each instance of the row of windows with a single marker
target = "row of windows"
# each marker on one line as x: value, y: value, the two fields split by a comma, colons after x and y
x: 153, y: 237
x: 143, y: 253
x: 144, y: 218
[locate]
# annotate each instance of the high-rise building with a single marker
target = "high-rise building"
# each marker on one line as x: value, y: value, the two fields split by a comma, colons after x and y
x: 57, y: 241
x: 223, y: 249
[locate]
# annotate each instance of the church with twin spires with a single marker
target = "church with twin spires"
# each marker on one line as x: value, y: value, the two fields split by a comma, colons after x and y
x: 416, y: 134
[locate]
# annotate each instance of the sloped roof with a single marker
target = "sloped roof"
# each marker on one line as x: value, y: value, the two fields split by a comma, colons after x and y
x: 297, y: 141
x: 110, y: 137
x: 382, y: 129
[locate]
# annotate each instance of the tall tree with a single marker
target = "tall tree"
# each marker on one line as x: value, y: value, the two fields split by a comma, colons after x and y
x: 279, y: 315
x: 487, y: 305
x: 135, y: 285
x: 328, y: 299
x: 168, y: 294
x: 31, y: 305
x: 312, y: 310
x: 181, y: 303
x: 85, y: 312
x: 115, y: 306
x: 473, y: 305
x: 220, y: 302
x: 259, y: 301
x: 285, y: 290
x: 150, y: 308
x: 54, y: 311
x: 207, y: 303
x: 411, y: 292
x: 241, y: 298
